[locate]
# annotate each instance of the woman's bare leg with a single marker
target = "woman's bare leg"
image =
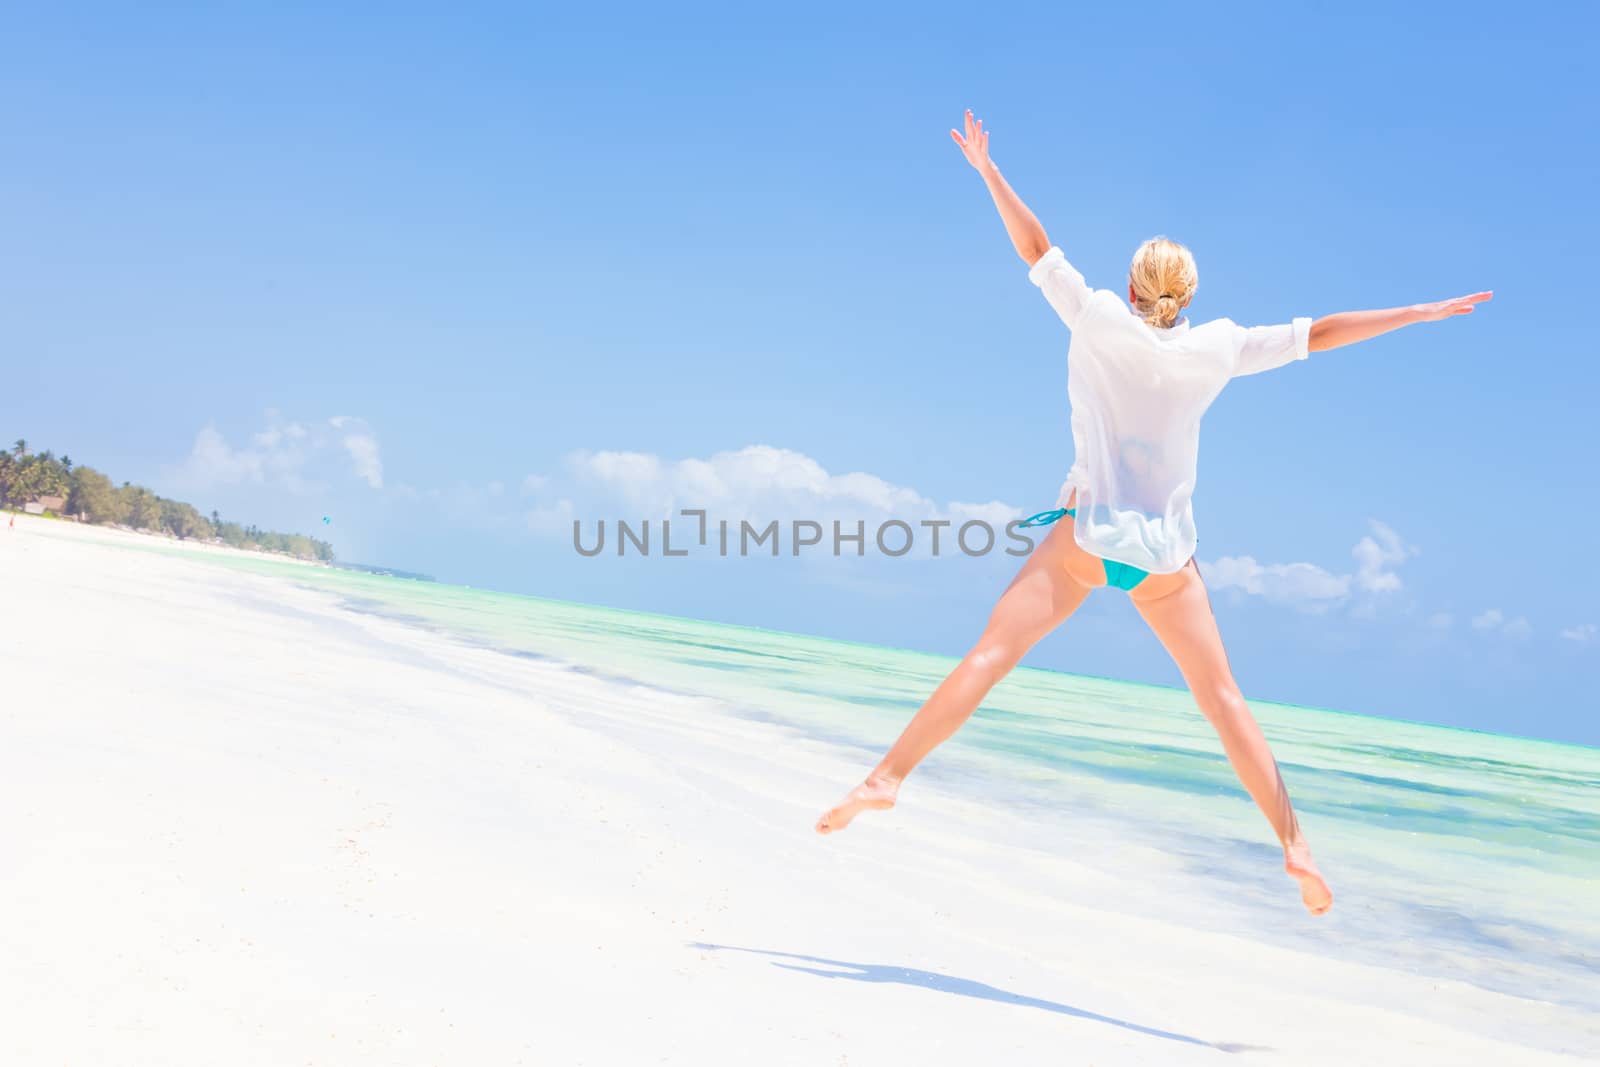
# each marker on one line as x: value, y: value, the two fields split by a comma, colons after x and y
x: 1179, y: 611
x: 1038, y: 600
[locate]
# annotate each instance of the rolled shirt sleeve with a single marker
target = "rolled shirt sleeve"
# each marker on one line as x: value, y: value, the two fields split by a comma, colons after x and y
x: 1062, y: 285
x: 1261, y: 348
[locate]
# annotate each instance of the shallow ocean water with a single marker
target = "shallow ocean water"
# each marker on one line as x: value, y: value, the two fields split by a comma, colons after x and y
x: 1456, y: 854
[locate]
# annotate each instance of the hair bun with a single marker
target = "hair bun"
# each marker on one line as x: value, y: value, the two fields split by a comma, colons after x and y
x: 1163, y: 278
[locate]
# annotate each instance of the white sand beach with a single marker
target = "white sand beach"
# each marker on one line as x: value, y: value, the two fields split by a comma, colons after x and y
x: 244, y: 824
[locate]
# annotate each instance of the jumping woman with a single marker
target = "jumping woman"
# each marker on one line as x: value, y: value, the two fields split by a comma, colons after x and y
x: 1139, y: 378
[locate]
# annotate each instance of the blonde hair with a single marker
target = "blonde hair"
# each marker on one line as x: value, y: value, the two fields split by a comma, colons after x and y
x: 1163, y: 278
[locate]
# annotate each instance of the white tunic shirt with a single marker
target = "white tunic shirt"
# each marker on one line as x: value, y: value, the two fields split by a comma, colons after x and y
x: 1137, y: 393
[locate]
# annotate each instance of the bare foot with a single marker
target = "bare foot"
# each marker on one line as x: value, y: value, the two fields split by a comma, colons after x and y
x: 874, y: 794
x: 1314, y: 891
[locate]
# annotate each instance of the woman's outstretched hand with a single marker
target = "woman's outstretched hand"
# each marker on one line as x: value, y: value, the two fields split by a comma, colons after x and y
x: 975, y: 145
x: 1348, y: 327
x: 1027, y: 236
x: 1443, y: 309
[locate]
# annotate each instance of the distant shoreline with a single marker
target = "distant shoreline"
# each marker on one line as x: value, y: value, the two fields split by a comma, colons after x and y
x: 42, y: 483
x: 388, y: 572
x: 216, y: 544
x: 114, y: 531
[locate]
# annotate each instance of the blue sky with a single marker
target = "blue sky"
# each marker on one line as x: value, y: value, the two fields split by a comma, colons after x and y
x: 529, y: 259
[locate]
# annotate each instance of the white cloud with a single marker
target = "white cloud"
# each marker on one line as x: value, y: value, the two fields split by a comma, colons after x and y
x: 762, y: 482
x: 553, y: 520
x: 758, y: 483
x: 994, y: 513
x: 289, y: 454
x: 1583, y: 633
x: 1493, y: 620
x: 1312, y: 587
x: 211, y: 461
x: 1376, y: 557
x: 1304, y: 585
x: 274, y: 436
x: 362, y: 446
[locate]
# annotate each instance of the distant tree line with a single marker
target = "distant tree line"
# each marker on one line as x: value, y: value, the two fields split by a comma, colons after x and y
x: 91, y: 497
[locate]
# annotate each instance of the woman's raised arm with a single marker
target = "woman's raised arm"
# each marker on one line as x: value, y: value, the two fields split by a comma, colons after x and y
x: 1348, y: 327
x: 1026, y: 233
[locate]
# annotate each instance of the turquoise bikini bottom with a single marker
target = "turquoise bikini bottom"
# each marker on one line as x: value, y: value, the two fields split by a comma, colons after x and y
x: 1121, y: 575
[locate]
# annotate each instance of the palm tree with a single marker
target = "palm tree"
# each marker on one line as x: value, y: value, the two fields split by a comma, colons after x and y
x: 66, y: 461
x: 20, y: 448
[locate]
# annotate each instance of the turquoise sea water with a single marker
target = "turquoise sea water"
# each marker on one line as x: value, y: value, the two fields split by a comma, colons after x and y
x: 1456, y: 854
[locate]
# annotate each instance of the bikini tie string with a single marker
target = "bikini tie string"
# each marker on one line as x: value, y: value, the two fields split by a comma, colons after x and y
x: 1043, y: 518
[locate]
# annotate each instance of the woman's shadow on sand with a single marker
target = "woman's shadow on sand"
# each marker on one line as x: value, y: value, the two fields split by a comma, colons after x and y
x: 963, y: 987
